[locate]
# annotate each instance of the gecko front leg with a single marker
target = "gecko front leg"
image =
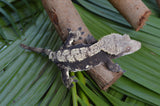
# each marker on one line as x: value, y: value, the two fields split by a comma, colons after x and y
x: 73, y: 36
x: 110, y: 65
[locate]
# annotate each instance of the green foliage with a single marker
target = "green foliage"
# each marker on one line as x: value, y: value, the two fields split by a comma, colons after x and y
x: 27, y: 78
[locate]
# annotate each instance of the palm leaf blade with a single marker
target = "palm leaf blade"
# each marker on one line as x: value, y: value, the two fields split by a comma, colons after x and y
x: 29, y: 78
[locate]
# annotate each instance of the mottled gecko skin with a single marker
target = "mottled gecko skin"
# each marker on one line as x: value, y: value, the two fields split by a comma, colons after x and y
x: 85, y: 56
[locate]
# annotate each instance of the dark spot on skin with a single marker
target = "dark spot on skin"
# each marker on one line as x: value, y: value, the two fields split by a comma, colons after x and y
x: 82, y: 33
x: 80, y: 38
x: 90, y: 39
x: 78, y: 46
x: 68, y: 29
x: 80, y: 28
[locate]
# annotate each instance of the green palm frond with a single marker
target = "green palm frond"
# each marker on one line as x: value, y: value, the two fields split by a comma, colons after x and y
x: 27, y: 78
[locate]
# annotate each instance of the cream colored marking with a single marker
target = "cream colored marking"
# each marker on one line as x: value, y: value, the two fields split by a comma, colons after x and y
x: 74, y: 51
x: 78, y: 70
x: 77, y: 55
x: 67, y: 73
x: 60, y: 57
x: 78, y: 33
x: 90, y: 53
x: 70, y: 58
x: 65, y: 52
x: 50, y: 55
x: 71, y: 41
x: 87, y: 66
x: 49, y: 50
x: 84, y: 49
x: 76, y: 37
x: 80, y: 56
x: 94, y: 49
x: 84, y: 52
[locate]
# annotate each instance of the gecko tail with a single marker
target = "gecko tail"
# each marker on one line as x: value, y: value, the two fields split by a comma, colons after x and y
x: 37, y: 50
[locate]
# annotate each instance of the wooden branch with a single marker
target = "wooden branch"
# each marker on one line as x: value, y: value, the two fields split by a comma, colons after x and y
x: 158, y: 2
x: 134, y: 11
x: 63, y: 15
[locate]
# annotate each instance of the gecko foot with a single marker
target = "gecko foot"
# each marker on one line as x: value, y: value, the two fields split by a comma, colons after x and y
x: 90, y: 39
x: 114, y: 68
x: 68, y: 82
x: 74, y: 80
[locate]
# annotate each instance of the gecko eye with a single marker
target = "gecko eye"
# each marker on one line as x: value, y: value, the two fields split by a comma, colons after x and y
x: 128, y: 49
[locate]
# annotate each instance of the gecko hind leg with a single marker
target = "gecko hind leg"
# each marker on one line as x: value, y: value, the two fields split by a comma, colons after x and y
x: 67, y: 80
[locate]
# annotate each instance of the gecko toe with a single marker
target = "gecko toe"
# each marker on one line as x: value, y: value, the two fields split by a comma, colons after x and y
x: 68, y: 29
x: 115, y: 68
x: 71, y: 86
x: 75, y: 80
x: 68, y: 82
x: 73, y: 76
x: 123, y: 71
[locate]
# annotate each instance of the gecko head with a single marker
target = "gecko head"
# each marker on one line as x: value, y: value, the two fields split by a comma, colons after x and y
x: 118, y: 45
x: 128, y: 45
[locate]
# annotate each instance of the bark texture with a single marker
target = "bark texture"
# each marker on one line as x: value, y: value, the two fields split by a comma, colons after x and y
x: 63, y: 15
x: 158, y: 2
x: 134, y: 11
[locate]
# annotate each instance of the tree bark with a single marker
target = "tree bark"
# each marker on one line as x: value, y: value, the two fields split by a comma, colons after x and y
x: 158, y: 2
x: 134, y: 11
x: 64, y: 16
